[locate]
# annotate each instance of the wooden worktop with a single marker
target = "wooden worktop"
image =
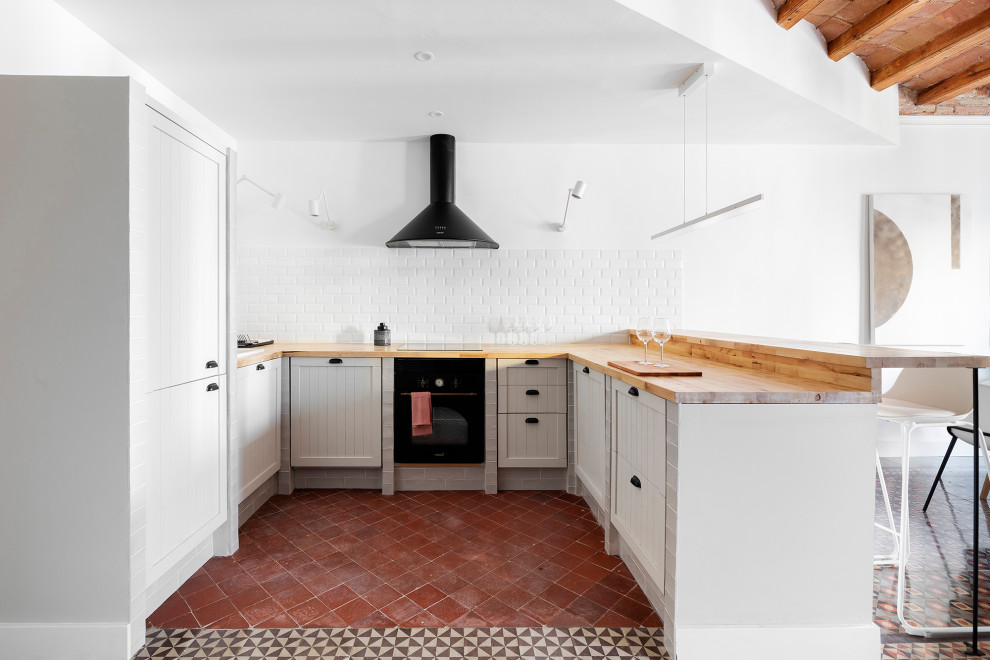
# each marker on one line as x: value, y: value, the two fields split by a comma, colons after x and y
x: 735, y: 369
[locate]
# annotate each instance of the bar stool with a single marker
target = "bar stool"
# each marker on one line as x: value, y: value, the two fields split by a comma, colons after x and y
x: 919, y: 398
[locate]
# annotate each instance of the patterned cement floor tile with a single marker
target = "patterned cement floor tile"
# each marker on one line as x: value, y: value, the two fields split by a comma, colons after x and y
x: 414, y: 643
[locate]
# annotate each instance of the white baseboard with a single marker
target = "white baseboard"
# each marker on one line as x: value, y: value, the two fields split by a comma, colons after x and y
x: 69, y: 641
x: 768, y: 643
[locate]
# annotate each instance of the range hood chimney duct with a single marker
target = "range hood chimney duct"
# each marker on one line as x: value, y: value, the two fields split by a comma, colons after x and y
x: 442, y: 224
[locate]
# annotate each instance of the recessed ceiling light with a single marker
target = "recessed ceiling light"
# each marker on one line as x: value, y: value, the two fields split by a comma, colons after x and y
x: 424, y: 56
x: 436, y: 114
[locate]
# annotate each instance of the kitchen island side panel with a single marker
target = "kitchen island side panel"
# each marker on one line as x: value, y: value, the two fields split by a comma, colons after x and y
x: 775, y: 530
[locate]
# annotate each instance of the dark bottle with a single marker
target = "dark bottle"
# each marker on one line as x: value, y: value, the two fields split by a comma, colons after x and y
x: 383, y: 336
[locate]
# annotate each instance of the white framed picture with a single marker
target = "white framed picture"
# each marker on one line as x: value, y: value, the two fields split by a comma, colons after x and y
x: 918, y: 284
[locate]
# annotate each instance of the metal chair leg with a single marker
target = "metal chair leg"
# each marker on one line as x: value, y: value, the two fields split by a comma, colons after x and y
x: 938, y: 477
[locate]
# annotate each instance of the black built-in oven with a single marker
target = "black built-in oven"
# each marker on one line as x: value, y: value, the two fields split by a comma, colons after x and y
x: 457, y: 395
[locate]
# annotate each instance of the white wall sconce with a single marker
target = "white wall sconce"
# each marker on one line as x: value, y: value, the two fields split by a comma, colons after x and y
x: 314, y: 208
x: 278, y: 199
x: 577, y: 192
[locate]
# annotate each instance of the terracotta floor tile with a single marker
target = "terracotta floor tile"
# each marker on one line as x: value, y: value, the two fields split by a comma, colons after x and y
x: 470, y: 596
x: 355, y: 558
x: 423, y: 620
x: 470, y: 620
x: 513, y: 596
x: 494, y: 611
x: 586, y: 609
x: 214, y: 612
x: 539, y: 609
x: 174, y: 606
x: 233, y: 622
x: 375, y: 620
x: 280, y: 583
x: 204, y: 597
x: 337, y: 596
x: 615, y: 620
x: 355, y: 610
x: 559, y: 596
x: 328, y: 620
x: 447, y: 609
x: 307, y: 611
x: 282, y: 620
x: 602, y: 595
x: 292, y: 596
x: 518, y: 620
x: 381, y: 595
x: 401, y: 610
x: 195, y: 583
x: 426, y: 595
x: 260, y: 611
x: 186, y: 620
x: 632, y: 609
x: 249, y: 596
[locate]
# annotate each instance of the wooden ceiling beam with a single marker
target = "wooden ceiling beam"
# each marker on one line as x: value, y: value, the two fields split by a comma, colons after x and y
x: 875, y: 23
x: 967, y: 80
x: 793, y: 11
x: 948, y: 44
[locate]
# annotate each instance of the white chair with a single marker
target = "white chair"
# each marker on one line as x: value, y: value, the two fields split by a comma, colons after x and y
x: 920, y: 398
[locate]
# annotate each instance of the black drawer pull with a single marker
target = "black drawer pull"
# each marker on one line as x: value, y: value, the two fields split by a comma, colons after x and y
x: 586, y: 370
x: 212, y: 364
x: 633, y: 391
x: 212, y: 387
x: 532, y: 361
x: 336, y: 361
x: 532, y: 393
x: 636, y: 482
x: 260, y: 367
x: 532, y: 420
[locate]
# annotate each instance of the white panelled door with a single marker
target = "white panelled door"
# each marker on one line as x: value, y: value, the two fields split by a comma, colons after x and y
x: 187, y: 223
x: 186, y: 480
x: 259, y: 388
x: 591, y: 438
x: 639, y: 461
x: 336, y: 412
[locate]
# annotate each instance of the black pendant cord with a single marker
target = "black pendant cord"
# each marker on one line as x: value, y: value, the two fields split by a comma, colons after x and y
x: 974, y: 648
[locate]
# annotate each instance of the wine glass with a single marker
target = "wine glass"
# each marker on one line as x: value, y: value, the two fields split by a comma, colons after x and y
x: 644, y: 332
x: 661, y: 335
x: 547, y: 327
x: 512, y: 327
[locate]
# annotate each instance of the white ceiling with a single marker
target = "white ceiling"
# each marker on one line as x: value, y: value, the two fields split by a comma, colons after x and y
x: 554, y: 71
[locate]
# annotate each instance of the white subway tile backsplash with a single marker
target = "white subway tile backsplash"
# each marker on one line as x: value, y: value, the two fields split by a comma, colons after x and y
x: 341, y: 294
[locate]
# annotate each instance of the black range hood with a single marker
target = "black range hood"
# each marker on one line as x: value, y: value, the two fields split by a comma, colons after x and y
x: 442, y: 224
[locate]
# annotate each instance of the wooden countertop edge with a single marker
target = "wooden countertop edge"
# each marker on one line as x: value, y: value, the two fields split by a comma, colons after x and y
x: 854, y: 355
x: 665, y: 387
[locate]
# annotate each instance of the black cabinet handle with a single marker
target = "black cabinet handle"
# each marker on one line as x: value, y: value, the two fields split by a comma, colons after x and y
x: 636, y: 482
x: 212, y: 364
x: 532, y: 420
x: 260, y: 367
x: 336, y: 361
x: 532, y: 393
x: 532, y: 361
x: 586, y: 370
x: 633, y: 391
x: 212, y: 387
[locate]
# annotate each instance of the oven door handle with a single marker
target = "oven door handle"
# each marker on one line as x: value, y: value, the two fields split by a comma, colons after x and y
x: 445, y: 394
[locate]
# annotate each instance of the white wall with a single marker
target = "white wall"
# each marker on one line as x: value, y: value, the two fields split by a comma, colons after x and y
x: 39, y: 37
x: 64, y: 396
x: 796, y: 268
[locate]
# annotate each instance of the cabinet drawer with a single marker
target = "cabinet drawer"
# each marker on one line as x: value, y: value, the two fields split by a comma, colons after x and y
x: 532, y: 399
x: 532, y: 371
x: 336, y: 362
x: 639, y: 514
x: 532, y: 440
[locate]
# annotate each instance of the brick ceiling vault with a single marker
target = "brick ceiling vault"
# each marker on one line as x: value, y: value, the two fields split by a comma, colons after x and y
x: 936, y: 51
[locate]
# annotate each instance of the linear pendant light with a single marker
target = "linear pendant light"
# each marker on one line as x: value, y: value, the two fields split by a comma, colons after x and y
x: 702, y: 75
